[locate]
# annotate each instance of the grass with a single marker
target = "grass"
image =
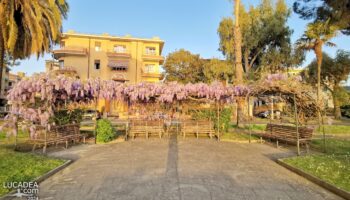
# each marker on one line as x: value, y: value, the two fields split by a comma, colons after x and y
x: 334, y: 169
x: 17, y: 166
x: 255, y: 127
x: 333, y: 146
x: 237, y: 137
x: 334, y: 129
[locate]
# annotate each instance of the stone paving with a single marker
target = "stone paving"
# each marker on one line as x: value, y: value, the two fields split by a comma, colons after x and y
x: 177, y: 169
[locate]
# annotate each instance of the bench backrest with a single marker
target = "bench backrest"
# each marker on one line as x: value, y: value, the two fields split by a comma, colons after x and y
x: 66, y: 130
x: 197, y: 125
x: 56, y: 131
x: 284, y: 131
x: 150, y: 125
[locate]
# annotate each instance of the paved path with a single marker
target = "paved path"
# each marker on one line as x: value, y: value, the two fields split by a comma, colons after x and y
x: 177, y: 169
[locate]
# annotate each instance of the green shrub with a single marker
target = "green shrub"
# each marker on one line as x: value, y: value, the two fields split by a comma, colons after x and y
x: 224, y: 119
x: 63, y: 117
x: 105, y: 131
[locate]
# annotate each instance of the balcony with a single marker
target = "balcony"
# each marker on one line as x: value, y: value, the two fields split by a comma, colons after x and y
x: 150, y: 75
x: 119, y: 77
x: 147, y: 56
x: 119, y: 54
x: 69, y: 51
x: 68, y: 71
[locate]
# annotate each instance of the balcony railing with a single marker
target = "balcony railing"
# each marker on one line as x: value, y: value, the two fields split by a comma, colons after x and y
x: 150, y: 74
x: 148, y: 57
x: 77, y: 51
x: 119, y: 54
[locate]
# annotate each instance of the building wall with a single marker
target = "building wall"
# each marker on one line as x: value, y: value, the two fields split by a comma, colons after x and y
x: 84, y: 65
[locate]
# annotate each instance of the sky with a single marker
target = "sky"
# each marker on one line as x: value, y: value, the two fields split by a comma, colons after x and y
x: 188, y: 24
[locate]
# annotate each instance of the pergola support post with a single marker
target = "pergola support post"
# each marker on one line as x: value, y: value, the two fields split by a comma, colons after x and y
x: 218, y: 116
x: 249, y: 121
x: 296, y: 123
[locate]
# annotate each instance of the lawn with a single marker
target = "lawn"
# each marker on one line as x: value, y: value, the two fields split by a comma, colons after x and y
x: 334, y: 129
x: 333, y: 166
x: 334, y: 169
x: 17, y: 166
x: 333, y: 146
x: 237, y: 137
x: 254, y: 127
x: 329, y: 129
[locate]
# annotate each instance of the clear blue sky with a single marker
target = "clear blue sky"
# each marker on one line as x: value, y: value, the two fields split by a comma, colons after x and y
x: 188, y: 24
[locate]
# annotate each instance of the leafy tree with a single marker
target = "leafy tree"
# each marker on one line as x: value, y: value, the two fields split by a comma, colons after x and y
x: 334, y: 71
x: 217, y: 70
x: 336, y: 11
x: 184, y: 67
x: 265, y: 34
x: 316, y: 35
x: 29, y: 27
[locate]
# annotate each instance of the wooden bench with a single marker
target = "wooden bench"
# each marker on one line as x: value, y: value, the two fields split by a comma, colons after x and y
x: 288, y: 134
x: 121, y: 125
x: 155, y: 128
x: 57, y: 134
x: 147, y: 128
x: 137, y: 127
x: 198, y: 128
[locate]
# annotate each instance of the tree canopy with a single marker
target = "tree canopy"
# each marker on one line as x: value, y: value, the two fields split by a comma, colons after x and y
x: 334, y: 71
x: 217, y: 70
x: 30, y: 27
x: 265, y: 37
x: 336, y: 11
x: 184, y: 67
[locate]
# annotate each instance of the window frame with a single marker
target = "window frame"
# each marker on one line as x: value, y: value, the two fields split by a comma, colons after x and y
x: 148, y: 67
x: 151, y: 50
x: 99, y: 64
x: 123, y: 47
x: 98, y: 46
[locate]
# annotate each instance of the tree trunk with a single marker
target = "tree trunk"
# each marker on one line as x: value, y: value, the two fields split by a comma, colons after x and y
x: 246, y: 62
x: 238, y: 45
x: 319, y: 57
x: 337, y: 112
x: 2, y: 56
x: 241, y: 112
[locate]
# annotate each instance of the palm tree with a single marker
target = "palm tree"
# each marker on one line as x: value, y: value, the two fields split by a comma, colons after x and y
x: 316, y: 35
x: 29, y: 27
x: 238, y: 44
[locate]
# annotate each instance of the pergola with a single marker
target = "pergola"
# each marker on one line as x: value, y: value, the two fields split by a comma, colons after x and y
x: 36, y: 98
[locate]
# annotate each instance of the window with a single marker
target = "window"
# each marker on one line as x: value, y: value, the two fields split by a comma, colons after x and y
x: 97, y: 64
x: 121, y: 68
x: 98, y: 46
x: 61, y: 64
x: 150, y: 51
x: 119, y: 49
x: 149, y: 68
x: 62, y: 44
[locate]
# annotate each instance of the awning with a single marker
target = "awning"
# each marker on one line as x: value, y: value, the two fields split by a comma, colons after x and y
x: 124, y: 64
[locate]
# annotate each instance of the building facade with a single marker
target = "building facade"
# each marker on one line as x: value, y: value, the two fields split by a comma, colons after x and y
x: 8, y: 81
x: 124, y: 59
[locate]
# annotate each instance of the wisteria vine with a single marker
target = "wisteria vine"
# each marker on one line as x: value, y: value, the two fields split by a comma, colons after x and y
x: 34, y: 99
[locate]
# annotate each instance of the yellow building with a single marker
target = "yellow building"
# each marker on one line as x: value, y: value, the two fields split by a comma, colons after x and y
x: 294, y: 71
x: 124, y: 59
